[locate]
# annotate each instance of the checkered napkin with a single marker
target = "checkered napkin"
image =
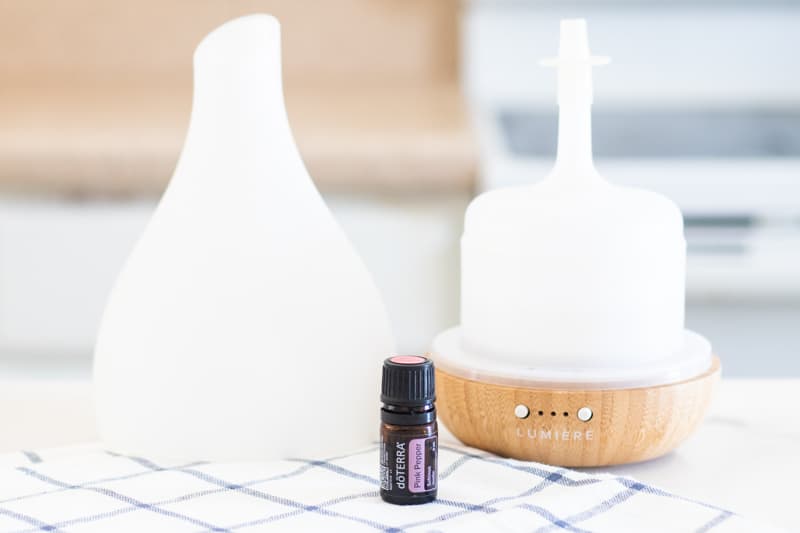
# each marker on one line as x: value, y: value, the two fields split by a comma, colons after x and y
x: 86, y: 489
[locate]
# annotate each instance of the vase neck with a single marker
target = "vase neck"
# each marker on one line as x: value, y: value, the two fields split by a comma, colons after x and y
x: 574, y: 155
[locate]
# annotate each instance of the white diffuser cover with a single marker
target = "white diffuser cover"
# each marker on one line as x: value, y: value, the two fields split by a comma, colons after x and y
x: 573, y: 272
x: 244, y: 325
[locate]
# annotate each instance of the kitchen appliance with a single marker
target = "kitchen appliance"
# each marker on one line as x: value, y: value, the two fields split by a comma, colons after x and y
x: 572, y: 348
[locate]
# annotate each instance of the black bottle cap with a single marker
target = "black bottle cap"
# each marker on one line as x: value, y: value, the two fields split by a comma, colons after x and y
x: 408, y: 380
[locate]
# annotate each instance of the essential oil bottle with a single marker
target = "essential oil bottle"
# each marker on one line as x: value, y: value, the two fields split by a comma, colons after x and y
x: 409, y: 437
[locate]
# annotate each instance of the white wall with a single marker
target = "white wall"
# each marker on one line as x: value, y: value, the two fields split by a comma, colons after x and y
x: 729, y: 51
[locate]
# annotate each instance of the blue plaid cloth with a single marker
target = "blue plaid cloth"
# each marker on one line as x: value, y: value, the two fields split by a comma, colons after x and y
x: 86, y: 489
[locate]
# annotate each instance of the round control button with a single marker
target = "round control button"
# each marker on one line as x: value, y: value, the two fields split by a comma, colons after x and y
x: 585, y: 414
x: 521, y: 411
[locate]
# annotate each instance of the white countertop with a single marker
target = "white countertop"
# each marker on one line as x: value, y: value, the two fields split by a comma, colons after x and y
x: 745, y: 457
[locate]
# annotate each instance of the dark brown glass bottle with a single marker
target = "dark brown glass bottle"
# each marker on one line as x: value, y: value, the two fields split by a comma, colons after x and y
x: 409, y: 444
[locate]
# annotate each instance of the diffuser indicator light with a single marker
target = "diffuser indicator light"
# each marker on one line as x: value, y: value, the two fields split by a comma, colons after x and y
x: 585, y: 414
x: 521, y: 411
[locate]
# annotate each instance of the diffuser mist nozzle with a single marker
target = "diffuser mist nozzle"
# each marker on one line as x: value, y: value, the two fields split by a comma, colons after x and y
x: 574, y: 63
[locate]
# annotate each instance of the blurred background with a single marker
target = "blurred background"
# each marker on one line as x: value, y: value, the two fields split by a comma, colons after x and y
x: 403, y: 110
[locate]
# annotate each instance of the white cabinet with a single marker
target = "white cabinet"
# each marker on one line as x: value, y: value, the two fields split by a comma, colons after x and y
x: 59, y: 259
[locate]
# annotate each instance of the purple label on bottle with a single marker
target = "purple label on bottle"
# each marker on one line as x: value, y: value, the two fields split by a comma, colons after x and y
x: 416, y: 463
x: 408, y: 466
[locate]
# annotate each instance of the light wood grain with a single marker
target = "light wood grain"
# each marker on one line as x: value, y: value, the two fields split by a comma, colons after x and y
x: 95, y: 94
x: 118, y: 141
x: 363, y: 41
x: 629, y: 425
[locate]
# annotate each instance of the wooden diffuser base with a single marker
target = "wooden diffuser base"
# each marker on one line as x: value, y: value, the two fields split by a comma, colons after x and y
x: 624, y: 425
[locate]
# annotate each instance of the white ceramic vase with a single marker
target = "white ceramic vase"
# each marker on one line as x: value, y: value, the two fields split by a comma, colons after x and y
x: 244, y: 325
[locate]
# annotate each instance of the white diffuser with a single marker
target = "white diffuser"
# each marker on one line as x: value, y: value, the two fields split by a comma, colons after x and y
x: 243, y: 325
x: 572, y: 348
